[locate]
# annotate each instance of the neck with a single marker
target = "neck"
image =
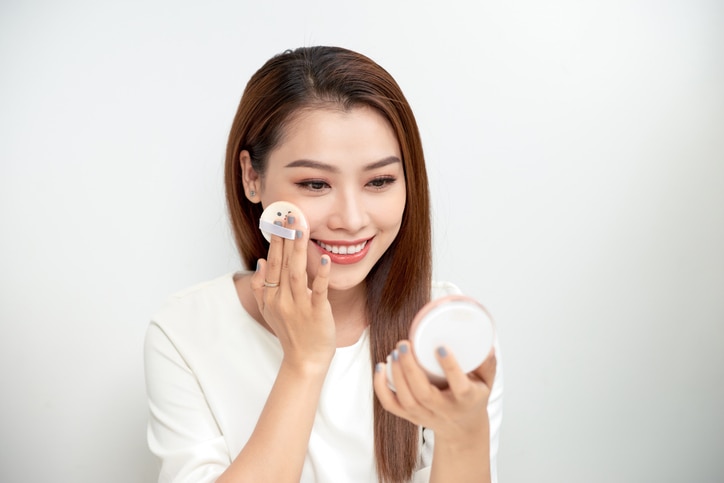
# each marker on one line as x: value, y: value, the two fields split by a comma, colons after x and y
x: 350, y: 313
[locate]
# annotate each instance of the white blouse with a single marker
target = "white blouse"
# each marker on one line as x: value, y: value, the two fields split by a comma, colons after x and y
x: 209, y: 369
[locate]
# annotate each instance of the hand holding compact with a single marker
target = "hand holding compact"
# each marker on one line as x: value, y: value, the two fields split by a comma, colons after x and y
x: 300, y: 316
x: 442, y: 377
x: 456, y: 323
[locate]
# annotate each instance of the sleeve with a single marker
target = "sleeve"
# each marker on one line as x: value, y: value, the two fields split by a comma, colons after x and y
x: 182, y: 431
x: 422, y: 474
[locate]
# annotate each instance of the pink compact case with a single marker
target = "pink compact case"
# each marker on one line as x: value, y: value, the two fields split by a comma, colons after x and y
x: 457, y: 322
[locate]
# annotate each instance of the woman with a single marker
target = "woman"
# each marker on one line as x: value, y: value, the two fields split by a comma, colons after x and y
x: 278, y: 375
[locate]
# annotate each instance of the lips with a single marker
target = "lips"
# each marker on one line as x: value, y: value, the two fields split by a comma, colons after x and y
x: 344, y: 253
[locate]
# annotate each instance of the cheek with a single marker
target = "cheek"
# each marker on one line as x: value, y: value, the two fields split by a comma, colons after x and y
x: 390, y: 214
x: 311, y: 211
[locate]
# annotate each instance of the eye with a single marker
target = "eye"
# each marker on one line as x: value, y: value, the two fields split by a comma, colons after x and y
x: 382, y: 182
x: 313, y: 185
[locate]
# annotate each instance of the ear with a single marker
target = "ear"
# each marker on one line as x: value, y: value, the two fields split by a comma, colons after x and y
x: 250, y: 178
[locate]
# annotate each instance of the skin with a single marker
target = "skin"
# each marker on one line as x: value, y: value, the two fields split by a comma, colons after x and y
x: 457, y: 414
x: 343, y: 170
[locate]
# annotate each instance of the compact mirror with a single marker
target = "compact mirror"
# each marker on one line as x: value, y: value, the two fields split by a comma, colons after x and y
x: 456, y: 322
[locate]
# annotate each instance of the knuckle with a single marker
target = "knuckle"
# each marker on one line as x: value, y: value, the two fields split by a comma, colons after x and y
x: 408, y: 403
x: 466, y: 394
x: 425, y: 398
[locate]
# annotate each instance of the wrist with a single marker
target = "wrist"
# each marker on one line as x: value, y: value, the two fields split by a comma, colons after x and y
x: 307, y: 367
x: 474, y: 438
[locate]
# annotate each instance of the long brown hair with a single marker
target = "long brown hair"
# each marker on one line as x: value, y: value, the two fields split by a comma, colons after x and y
x: 399, y: 284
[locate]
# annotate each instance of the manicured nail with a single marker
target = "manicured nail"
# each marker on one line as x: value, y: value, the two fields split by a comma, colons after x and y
x: 290, y: 219
x: 299, y: 233
x: 278, y: 223
x: 441, y: 351
x: 378, y: 367
x: 395, y: 355
x: 403, y: 348
x: 257, y: 265
x: 325, y: 260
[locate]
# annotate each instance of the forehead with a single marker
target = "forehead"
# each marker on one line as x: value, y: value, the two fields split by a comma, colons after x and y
x: 335, y: 136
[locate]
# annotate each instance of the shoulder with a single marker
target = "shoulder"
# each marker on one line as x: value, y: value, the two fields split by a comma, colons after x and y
x: 206, y: 301
x: 441, y: 288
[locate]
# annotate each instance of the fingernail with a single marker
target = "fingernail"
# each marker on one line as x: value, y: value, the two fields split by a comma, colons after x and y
x: 403, y: 348
x: 290, y: 219
x: 257, y: 265
x: 378, y: 367
x: 278, y: 223
x: 325, y: 260
x: 395, y: 355
x: 441, y: 351
x: 299, y: 233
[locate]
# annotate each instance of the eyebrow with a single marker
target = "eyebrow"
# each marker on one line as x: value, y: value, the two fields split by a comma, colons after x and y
x: 308, y: 163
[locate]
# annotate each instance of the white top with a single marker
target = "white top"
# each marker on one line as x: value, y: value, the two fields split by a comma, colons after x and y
x: 209, y: 369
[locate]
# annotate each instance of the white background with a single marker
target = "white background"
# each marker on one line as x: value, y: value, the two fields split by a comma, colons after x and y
x: 576, y: 155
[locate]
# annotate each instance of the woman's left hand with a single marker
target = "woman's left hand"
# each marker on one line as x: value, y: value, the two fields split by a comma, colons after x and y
x: 457, y: 413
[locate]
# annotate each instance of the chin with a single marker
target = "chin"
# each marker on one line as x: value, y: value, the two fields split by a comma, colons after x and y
x: 344, y: 283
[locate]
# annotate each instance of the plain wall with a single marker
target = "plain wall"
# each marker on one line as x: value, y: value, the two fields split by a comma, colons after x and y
x: 576, y: 157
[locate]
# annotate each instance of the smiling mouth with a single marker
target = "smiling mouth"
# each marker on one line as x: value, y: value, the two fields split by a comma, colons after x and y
x: 342, y: 249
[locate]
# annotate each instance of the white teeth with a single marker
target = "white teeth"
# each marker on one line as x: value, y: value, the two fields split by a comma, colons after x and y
x: 343, y: 249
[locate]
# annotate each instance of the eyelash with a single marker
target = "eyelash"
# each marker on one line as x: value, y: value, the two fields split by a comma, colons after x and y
x: 317, y: 185
x: 384, y: 182
x: 308, y: 184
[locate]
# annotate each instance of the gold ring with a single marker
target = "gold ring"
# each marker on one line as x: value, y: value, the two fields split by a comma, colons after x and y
x: 269, y: 284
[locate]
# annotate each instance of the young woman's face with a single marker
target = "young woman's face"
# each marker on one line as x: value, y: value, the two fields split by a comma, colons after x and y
x: 344, y: 171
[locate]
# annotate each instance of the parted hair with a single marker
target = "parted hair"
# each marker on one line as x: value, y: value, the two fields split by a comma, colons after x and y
x: 399, y: 283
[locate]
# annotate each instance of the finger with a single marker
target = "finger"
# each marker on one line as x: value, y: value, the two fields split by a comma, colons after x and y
x: 257, y: 283
x: 398, y: 376
x: 287, y: 250
x: 405, y: 393
x: 321, y: 282
x: 274, y: 259
x: 386, y: 396
x: 418, y: 383
x: 457, y: 380
x: 297, y: 265
x: 486, y: 371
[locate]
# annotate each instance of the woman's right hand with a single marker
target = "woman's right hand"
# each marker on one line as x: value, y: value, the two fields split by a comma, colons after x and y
x: 300, y: 316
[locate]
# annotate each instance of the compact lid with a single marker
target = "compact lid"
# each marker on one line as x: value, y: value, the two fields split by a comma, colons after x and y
x: 460, y: 324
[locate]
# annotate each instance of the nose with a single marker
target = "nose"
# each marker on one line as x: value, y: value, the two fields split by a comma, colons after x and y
x: 349, y: 212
